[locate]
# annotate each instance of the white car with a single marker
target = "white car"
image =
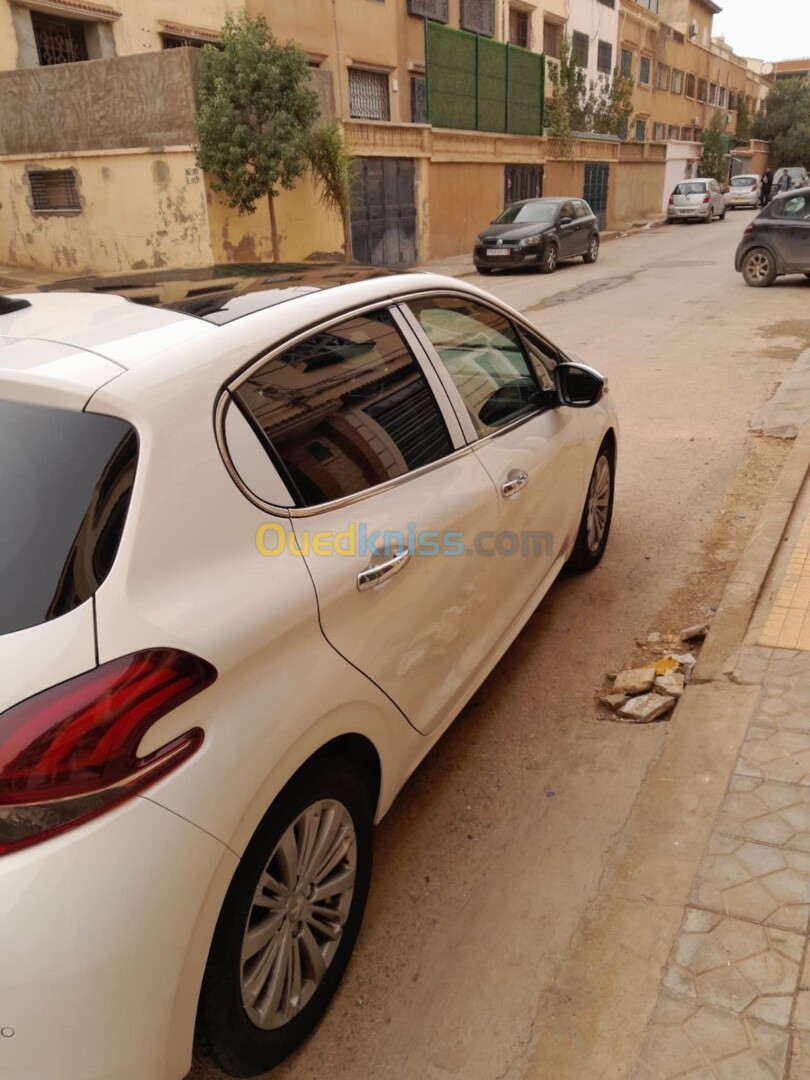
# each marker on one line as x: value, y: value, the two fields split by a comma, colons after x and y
x: 700, y: 199
x: 257, y: 550
x: 743, y: 190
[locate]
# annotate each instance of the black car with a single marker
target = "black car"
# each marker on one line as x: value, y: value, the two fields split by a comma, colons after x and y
x: 538, y: 232
x: 777, y: 241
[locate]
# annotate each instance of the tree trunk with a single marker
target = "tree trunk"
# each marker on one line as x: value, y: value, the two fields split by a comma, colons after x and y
x: 273, y: 227
x: 348, y: 254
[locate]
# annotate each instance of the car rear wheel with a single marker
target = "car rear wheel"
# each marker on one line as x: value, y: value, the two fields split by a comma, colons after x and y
x: 758, y: 268
x: 723, y: 215
x: 594, y: 526
x: 592, y: 254
x: 289, y: 921
x: 548, y: 263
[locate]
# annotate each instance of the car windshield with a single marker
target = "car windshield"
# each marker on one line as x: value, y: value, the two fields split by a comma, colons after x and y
x: 743, y: 181
x: 65, y: 484
x: 528, y: 213
x: 694, y: 188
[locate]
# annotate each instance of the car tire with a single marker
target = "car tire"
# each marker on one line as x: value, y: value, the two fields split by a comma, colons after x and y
x: 723, y: 215
x: 592, y: 254
x: 758, y: 268
x: 549, y: 259
x: 709, y: 217
x: 245, y: 1025
x: 594, y: 525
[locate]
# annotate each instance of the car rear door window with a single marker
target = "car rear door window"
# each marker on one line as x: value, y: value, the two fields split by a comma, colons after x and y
x: 796, y: 208
x: 346, y: 409
x: 65, y: 485
x: 483, y: 354
x: 580, y: 209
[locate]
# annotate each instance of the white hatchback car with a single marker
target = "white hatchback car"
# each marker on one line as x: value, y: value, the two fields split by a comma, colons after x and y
x: 743, y: 190
x: 257, y: 550
x: 701, y: 199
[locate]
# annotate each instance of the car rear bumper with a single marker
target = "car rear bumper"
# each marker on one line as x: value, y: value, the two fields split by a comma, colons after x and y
x: 742, y: 200
x: 95, y: 931
x: 687, y: 213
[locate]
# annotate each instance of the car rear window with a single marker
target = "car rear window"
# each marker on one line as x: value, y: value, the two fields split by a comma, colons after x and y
x: 65, y: 485
x: 693, y: 188
x: 743, y: 181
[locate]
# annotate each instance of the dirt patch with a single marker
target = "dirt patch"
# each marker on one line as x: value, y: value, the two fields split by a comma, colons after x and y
x: 791, y: 328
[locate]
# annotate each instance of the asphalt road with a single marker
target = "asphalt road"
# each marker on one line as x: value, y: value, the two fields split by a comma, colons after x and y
x: 487, y: 864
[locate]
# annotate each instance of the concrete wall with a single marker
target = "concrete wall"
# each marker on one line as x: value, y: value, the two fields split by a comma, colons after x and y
x: 634, y: 191
x: 462, y: 199
x: 600, y: 23
x: 683, y: 161
x: 564, y: 178
x: 137, y: 211
x: 145, y: 100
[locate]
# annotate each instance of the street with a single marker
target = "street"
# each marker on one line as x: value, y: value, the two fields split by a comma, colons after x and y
x: 489, y: 863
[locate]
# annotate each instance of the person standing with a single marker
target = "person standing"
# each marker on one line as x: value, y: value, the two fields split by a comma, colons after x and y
x: 765, y: 189
x: 783, y: 183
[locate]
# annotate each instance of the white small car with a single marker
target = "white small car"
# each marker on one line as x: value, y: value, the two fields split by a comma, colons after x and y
x: 701, y: 199
x: 743, y: 190
x: 257, y: 550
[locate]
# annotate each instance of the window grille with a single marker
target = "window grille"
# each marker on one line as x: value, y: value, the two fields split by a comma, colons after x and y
x: 478, y: 16
x: 519, y: 28
x: 579, y: 48
x: 53, y: 189
x: 58, y: 41
x: 604, y: 57
x: 552, y: 39
x: 418, y: 99
x: 368, y: 95
x: 430, y: 9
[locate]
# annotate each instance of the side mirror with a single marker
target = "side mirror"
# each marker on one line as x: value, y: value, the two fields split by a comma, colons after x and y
x: 566, y: 220
x: 579, y: 386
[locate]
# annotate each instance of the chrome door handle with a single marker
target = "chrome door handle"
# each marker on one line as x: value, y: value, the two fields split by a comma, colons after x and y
x: 375, y: 575
x: 517, y: 480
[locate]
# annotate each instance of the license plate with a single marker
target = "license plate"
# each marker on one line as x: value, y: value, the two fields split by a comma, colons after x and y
x: 499, y: 251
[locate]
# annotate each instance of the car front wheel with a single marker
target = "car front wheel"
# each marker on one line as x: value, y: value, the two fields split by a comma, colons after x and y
x: 289, y: 921
x: 548, y: 264
x: 592, y: 254
x: 758, y: 268
x: 594, y: 526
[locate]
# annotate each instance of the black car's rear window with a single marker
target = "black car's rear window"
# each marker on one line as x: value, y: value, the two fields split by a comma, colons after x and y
x: 65, y: 484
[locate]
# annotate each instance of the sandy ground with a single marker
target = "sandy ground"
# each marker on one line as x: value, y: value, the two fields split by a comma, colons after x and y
x: 488, y: 863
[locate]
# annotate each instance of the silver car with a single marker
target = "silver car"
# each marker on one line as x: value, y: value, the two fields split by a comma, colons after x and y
x: 743, y: 191
x: 700, y: 199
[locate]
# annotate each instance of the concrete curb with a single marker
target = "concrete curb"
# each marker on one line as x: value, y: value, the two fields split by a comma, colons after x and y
x: 748, y: 577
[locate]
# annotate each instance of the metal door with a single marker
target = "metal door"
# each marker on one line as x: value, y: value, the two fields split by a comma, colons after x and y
x: 522, y: 182
x: 597, y: 175
x: 383, y: 212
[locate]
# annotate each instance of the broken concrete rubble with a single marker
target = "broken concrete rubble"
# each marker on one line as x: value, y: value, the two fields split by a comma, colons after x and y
x: 634, y: 680
x: 672, y: 683
x: 645, y: 707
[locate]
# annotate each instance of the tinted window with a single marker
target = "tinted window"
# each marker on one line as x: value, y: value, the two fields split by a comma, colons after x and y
x: 567, y: 210
x: 65, y: 485
x: 743, y: 181
x: 797, y: 207
x: 528, y: 213
x: 346, y: 409
x: 697, y: 187
x: 484, y: 356
x: 580, y: 209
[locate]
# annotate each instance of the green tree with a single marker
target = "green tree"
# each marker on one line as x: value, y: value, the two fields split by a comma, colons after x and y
x: 613, y: 103
x: 576, y: 105
x: 743, y: 132
x: 331, y: 167
x: 255, y: 116
x: 714, y: 160
x: 785, y: 121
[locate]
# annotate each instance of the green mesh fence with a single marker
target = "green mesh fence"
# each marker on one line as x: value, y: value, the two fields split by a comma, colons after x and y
x: 450, y: 70
x: 491, y: 85
x: 525, y: 92
x: 476, y: 83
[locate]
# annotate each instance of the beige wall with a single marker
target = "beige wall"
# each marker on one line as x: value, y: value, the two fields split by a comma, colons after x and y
x: 634, y: 190
x: 138, y: 211
x: 463, y: 199
x: 306, y: 229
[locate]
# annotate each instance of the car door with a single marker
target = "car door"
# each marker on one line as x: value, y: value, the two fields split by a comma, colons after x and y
x: 791, y: 231
x: 389, y: 501
x: 529, y: 444
x: 567, y: 230
x: 583, y: 221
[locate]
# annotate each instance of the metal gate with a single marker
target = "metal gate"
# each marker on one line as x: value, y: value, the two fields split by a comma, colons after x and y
x: 595, y: 194
x: 522, y: 182
x: 383, y: 212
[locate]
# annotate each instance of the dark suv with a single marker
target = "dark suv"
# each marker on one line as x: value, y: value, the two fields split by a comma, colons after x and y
x: 777, y: 241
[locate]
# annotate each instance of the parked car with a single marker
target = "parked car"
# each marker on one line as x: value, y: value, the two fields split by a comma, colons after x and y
x: 743, y: 190
x: 797, y: 173
x: 701, y: 199
x: 538, y: 232
x: 777, y: 241
x: 258, y: 548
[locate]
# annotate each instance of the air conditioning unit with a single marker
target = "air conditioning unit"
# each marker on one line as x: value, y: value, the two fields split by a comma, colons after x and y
x: 693, y: 29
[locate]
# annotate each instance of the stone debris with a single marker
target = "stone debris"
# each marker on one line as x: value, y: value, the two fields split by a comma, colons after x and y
x: 614, y: 701
x: 645, y: 707
x: 699, y: 630
x: 672, y: 683
x: 634, y: 680
x: 666, y: 665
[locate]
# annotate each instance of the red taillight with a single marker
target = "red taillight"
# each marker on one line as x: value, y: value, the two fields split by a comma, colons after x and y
x: 671, y: 200
x: 749, y: 228
x: 754, y: 186
x: 69, y: 753
x: 707, y: 198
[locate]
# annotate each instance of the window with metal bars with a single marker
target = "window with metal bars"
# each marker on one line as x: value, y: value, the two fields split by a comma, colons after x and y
x: 177, y: 41
x: 478, y: 16
x: 579, y: 48
x: 627, y: 63
x: 644, y: 67
x: 58, y: 41
x: 519, y: 28
x: 552, y: 39
x: 419, y: 99
x: 53, y: 190
x: 604, y: 57
x: 368, y: 95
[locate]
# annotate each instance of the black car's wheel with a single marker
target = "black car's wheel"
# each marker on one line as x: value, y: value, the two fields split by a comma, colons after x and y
x: 289, y: 921
x: 549, y: 260
x: 592, y: 254
x: 758, y: 268
x: 594, y: 526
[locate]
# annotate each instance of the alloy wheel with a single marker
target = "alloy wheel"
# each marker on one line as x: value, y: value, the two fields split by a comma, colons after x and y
x: 299, y: 910
x: 598, y: 502
x: 757, y: 267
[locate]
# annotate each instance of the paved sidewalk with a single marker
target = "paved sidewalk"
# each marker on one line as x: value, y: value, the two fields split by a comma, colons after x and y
x: 734, y: 1001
